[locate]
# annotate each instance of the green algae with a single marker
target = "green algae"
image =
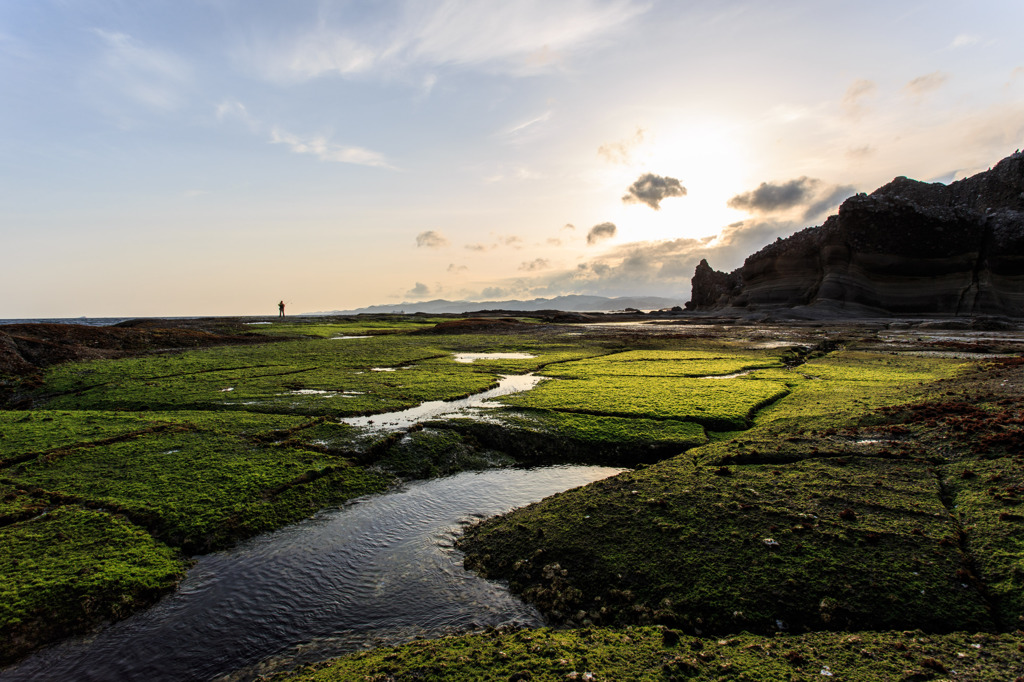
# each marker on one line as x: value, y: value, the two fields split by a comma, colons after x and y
x: 714, y: 403
x: 193, y: 487
x: 65, y: 570
x: 431, y: 453
x: 672, y: 363
x: 616, y: 431
x: 813, y: 545
x: 815, y: 529
x: 311, y: 377
x: 860, y: 523
x: 647, y: 653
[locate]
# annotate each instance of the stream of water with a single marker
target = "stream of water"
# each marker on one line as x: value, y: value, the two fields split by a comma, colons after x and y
x: 437, y: 409
x: 379, y: 571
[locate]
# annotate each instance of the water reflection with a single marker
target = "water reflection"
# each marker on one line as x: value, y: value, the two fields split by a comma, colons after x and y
x: 381, y: 571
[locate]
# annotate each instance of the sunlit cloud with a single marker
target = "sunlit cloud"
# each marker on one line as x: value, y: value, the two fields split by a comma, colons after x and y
x: 854, y: 98
x: 325, y: 150
x: 621, y: 152
x: 930, y: 82
x: 431, y: 239
x: 457, y: 269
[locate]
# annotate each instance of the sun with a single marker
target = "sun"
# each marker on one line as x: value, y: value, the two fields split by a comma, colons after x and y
x: 711, y: 164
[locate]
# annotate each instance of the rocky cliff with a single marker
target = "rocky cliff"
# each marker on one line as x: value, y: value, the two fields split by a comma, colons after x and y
x: 909, y: 247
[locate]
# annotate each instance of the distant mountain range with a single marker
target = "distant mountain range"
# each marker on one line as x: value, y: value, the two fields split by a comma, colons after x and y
x: 574, y: 303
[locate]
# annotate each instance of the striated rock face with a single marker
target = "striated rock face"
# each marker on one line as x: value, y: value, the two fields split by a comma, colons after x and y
x: 909, y: 247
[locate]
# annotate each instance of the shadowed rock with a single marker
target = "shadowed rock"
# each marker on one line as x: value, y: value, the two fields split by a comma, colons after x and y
x: 908, y: 248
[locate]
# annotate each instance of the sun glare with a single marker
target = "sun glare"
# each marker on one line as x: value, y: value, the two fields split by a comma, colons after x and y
x: 708, y: 161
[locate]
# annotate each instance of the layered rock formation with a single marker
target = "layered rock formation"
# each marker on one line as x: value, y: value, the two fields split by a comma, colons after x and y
x: 907, y: 248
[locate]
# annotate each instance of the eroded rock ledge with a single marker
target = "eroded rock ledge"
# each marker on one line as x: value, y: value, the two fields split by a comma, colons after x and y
x: 909, y: 247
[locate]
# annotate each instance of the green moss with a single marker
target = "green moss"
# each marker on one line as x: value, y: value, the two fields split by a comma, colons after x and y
x: 63, y: 571
x: 617, y: 431
x: 191, y: 488
x: 311, y: 377
x: 24, y: 434
x: 668, y: 363
x: 431, y: 453
x: 651, y: 654
x: 815, y: 544
x: 715, y: 403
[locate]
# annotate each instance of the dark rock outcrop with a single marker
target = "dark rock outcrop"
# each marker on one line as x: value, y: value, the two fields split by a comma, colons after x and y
x: 907, y: 248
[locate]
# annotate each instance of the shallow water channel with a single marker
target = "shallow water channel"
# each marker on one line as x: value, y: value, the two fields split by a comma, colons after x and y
x: 437, y: 409
x: 379, y: 571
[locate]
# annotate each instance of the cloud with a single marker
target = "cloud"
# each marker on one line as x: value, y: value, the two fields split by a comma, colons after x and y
x: 520, y: 127
x: 554, y: 241
x: 861, y: 152
x: 494, y: 292
x: 516, y: 38
x: 622, y: 152
x: 325, y: 150
x: 599, y: 233
x: 147, y: 75
x: 421, y: 290
x: 922, y: 85
x: 430, y: 240
x: 651, y: 189
x: 655, y: 268
x: 856, y: 94
x: 568, y: 226
x: 770, y: 197
x: 477, y: 247
x: 234, y: 110
x: 810, y: 194
x: 457, y: 269
x: 536, y: 264
x: 319, y: 146
x: 965, y: 40
x: 512, y: 240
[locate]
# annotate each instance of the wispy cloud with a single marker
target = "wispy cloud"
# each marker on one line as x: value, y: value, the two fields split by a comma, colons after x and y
x: 520, y: 127
x: 929, y: 82
x: 621, y: 152
x: 854, y: 98
x: 325, y: 150
x: 319, y: 146
x: 965, y: 40
x: 147, y: 75
x: 518, y: 37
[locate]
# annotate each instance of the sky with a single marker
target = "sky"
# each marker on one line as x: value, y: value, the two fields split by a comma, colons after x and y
x: 212, y: 157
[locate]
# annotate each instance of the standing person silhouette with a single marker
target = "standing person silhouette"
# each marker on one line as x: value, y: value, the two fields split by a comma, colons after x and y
x: 280, y: 309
